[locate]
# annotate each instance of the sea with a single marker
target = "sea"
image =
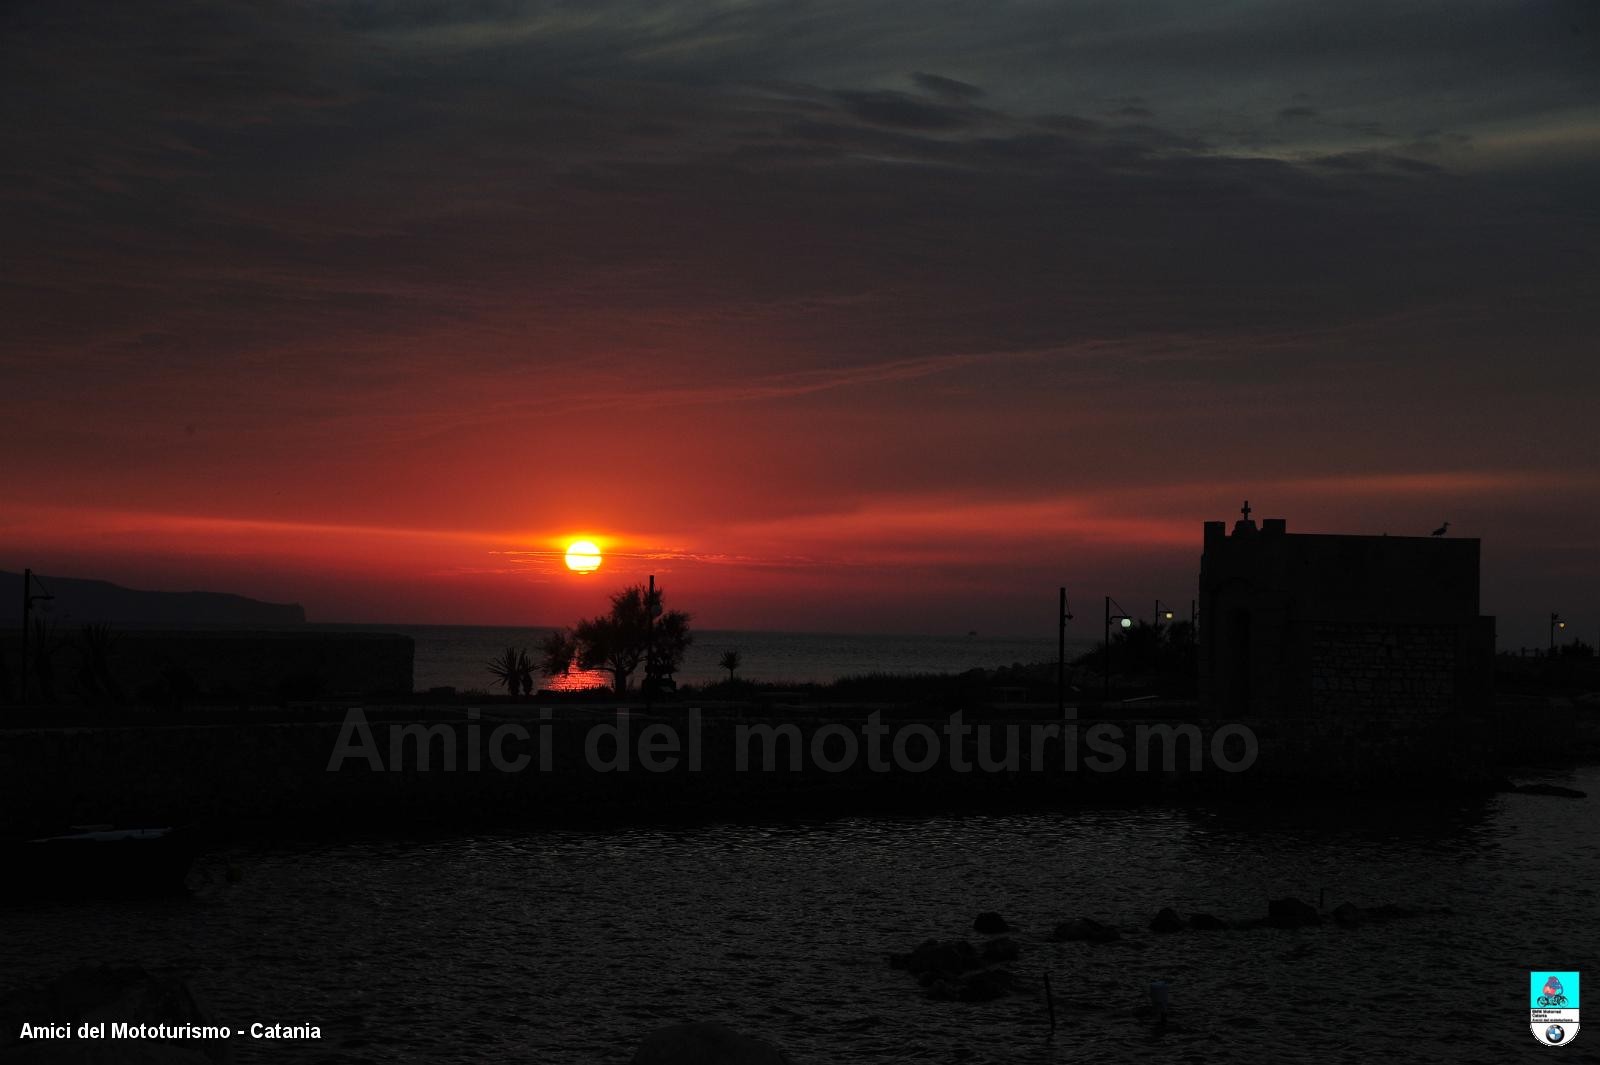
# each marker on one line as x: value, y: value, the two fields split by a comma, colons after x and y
x: 457, y: 656
x: 557, y: 945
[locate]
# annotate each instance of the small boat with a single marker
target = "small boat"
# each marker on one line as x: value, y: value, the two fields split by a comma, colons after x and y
x: 101, y: 862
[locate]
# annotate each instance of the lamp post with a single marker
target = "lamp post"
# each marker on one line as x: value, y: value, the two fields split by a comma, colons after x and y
x: 1126, y: 620
x: 1555, y: 623
x: 652, y: 610
x: 28, y: 599
x: 1063, y: 615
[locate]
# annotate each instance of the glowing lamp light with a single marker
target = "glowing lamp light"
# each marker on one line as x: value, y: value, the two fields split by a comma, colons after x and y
x: 1127, y: 623
x: 583, y: 556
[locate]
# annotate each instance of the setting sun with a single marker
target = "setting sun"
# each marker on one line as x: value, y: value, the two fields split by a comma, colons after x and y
x: 583, y: 557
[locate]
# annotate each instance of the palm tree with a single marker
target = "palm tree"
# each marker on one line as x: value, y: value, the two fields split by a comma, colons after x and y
x: 43, y: 650
x: 95, y: 647
x: 730, y: 662
x: 514, y: 670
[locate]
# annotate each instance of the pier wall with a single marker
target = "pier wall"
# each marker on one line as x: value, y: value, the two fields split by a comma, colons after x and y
x: 168, y: 667
x: 293, y: 772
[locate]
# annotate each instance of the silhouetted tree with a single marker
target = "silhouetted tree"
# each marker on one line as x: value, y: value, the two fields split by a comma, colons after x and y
x: 1167, y: 656
x: 95, y: 645
x: 513, y: 669
x: 43, y: 650
x: 557, y: 651
x: 620, y: 640
x: 1181, y: 634
x: 176, y: 686
x: 730, y: 662
x: 670, y: 640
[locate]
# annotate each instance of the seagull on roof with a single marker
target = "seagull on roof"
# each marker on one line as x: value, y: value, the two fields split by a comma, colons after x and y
x: 1440, y: 531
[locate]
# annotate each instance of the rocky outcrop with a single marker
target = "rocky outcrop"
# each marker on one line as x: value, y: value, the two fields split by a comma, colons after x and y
x: 953, y: 970
x: 990, y: 924
x: 1347, y: 915
x: 1084, y: 930
x: 945, y: 958
x: 1167, y: 921
x: 983, y: 986
x: 1292, y: 913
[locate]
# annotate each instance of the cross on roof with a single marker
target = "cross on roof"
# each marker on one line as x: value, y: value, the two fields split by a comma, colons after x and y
x: 1245, y: 510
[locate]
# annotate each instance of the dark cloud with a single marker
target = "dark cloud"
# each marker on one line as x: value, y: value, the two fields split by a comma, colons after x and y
x: 1069, y: 123
x: 392, y: 223
x: 898, y: 109
x: 947, y: 88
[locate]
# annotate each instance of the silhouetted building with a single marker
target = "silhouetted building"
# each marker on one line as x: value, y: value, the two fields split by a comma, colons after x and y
x: 1372, y: 635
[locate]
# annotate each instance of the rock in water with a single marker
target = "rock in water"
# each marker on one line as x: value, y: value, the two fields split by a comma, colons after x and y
x: 986, y: 986
x: 1167, y: 921
x: 705, y: 1043
x: 108, y: 993
x: 1084, y: 930
x: 950, y: 958
x: 1347, y: 915
x: 1291, y: 913
x: 990, y: 924
x: 998, y: 950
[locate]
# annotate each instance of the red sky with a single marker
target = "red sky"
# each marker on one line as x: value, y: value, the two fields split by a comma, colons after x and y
x: 827, y: 324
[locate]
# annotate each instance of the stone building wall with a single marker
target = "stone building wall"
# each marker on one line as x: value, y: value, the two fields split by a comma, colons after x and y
x: 1365, y: 653
x: 1360, y: 670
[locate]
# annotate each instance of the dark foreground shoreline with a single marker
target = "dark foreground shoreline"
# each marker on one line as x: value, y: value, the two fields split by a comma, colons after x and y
x: 342, y: 770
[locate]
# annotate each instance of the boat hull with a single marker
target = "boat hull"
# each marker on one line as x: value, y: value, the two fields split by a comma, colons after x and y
x: 117, y: 863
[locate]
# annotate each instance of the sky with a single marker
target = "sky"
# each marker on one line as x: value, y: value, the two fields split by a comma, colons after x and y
x: 841, y: 315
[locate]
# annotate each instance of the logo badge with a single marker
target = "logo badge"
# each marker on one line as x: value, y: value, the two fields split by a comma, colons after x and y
x: 1553, y: 1006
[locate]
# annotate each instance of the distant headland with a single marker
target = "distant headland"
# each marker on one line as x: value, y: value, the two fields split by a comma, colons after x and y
x: 78, y: 601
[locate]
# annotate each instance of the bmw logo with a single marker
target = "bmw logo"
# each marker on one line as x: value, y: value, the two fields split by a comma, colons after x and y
x: 1555, y: 1033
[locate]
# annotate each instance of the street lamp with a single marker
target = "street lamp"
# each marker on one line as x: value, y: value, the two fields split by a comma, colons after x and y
x: 652, y: 610
x: 1126, y: 621
x: 1063, y: 615
x: 1555, y: 623
x: 1162, y: 614
x: 28, y: 599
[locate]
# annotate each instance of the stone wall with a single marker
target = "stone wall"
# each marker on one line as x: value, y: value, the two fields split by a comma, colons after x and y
x: 1311, y: 624
x: 147, y: 666
x: 1390, y: 671
x: 235, y: 774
